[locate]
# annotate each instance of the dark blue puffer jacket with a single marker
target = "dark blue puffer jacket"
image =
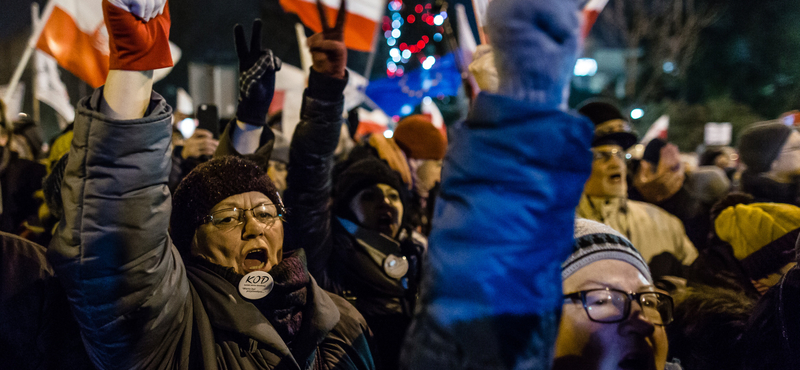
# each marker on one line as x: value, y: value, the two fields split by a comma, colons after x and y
x: 503, y: 224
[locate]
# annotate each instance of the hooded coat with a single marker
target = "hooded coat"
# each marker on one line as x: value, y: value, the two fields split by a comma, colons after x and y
x: 138, y: 305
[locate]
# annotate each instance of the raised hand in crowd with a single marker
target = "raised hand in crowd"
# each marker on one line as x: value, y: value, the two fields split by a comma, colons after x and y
x: 135, y: 50
x: 328, y: 52
x: 257, y: 67
x: 663, y: 181
x: 145, y: 9
x: 202, y: 143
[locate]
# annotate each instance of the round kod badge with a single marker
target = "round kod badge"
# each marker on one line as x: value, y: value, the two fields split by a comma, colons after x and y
x: 395, y: 266
x: 256, y: 285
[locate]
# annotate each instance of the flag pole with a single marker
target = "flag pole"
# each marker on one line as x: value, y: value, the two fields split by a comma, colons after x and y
x: 36, y: 112
x: 374, y: 49
x: 37, y: 31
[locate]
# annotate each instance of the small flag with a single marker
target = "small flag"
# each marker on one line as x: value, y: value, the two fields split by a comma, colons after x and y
x: 75, y: 35
x: 590, y: 13
x: 658, y: 130
x: 49, y: 87
x: 362, y: 18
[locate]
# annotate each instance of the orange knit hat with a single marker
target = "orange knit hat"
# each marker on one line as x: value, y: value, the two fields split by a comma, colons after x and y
x: 419, y: 139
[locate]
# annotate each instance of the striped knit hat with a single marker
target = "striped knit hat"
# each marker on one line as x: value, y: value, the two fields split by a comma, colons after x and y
x: 594, y: 242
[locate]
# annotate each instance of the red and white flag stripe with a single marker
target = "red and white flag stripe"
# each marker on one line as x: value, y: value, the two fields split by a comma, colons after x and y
x: 591, y: 11
x: 362, y: 18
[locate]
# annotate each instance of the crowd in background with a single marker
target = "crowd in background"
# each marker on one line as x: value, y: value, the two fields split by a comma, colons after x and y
x: 529, y: 236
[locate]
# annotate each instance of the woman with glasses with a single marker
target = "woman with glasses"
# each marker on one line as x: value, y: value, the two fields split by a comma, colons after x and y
x: 612, y: 315
x: 201, y: 282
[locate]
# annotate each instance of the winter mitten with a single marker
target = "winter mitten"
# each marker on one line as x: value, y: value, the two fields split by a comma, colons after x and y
x: 535, y: 46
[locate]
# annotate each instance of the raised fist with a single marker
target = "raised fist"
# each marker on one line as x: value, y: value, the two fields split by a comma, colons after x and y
x: 145, y: 9
x: 136, y: 43
x: 328, y: 52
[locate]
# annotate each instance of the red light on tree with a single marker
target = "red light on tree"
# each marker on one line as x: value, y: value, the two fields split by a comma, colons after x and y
x: 418, y: 8
x: 426, y: 39
x: 411, y: 18
x: 403, y: 46
x: 420, y: 44
x: 413, y: 48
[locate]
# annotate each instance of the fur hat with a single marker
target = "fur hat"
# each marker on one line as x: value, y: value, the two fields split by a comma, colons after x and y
x: 760, y: 144
x: 419, y: 139
x: 208, y: 184
x: 594, y: 242
x: 762, y: 235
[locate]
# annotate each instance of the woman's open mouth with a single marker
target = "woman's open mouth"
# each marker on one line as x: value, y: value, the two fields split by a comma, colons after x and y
x: 256, y: 259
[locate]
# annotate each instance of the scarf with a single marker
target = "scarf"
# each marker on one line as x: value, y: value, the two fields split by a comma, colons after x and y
x: 285, y: 305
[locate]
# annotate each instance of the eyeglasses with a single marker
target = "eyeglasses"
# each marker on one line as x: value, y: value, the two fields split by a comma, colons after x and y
x: 611, y: 306
x: 226, y: 219
x: 604, y: 155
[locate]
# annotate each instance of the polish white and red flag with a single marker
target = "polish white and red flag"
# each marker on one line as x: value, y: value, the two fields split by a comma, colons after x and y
x: 75, y: 35
x: 359, y: 28
x: 591, y: 11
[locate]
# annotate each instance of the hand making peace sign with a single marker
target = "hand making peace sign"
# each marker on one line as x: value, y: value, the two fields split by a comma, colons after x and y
x: 328, y: 52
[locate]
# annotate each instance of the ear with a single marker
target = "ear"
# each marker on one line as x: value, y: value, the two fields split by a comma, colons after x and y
x: 193, y: 248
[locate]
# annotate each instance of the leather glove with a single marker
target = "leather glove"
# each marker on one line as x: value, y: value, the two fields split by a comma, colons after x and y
x: 257, y: 67
x: 138, y: 43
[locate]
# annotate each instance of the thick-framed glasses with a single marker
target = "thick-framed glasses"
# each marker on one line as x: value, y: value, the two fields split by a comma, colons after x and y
x: 227, y: 219
x: 611, y: 306
x: 604, y: 155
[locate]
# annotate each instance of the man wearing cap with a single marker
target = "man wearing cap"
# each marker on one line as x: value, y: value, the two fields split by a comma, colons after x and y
x: 771, y: 152
x: 605, y: 197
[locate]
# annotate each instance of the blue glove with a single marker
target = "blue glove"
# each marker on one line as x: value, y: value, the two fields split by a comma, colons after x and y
x: 257, y: 67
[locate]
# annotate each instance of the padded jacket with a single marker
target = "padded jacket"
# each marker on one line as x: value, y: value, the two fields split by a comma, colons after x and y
x: 340, y: 263
x: 137, y: 304
x: 502, y: 226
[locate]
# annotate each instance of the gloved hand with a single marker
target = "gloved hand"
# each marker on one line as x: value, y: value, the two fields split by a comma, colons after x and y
x: 138, y: 43
x: 257, y: 67
x: 328, y: 52
x: 145, y: 9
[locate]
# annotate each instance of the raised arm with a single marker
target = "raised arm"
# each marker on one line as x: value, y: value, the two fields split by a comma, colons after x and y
x: 125, y: 282
x: 315, y: 139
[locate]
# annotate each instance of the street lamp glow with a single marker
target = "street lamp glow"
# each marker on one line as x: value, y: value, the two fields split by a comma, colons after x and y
x: 637, y: 113
x: 388, y: 134
x: 585, y: 67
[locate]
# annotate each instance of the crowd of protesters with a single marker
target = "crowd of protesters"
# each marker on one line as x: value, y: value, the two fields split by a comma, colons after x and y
x: 530, y: 236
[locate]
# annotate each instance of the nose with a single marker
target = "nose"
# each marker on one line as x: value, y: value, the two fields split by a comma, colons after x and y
x: 637, y: 323
x: 252, y: 227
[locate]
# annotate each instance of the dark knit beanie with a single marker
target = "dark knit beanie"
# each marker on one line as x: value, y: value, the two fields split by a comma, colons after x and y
x: 595, y: 242
x: 208, y: 184
x: 358, y: 176
x: 419, y: 139
x: 760, y: 144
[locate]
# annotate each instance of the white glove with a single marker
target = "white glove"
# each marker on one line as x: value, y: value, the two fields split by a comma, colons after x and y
x: 145, y: 9
x: 482, y: 67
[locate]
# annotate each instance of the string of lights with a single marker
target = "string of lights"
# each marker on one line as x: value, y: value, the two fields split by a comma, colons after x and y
x: 402, y: 51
